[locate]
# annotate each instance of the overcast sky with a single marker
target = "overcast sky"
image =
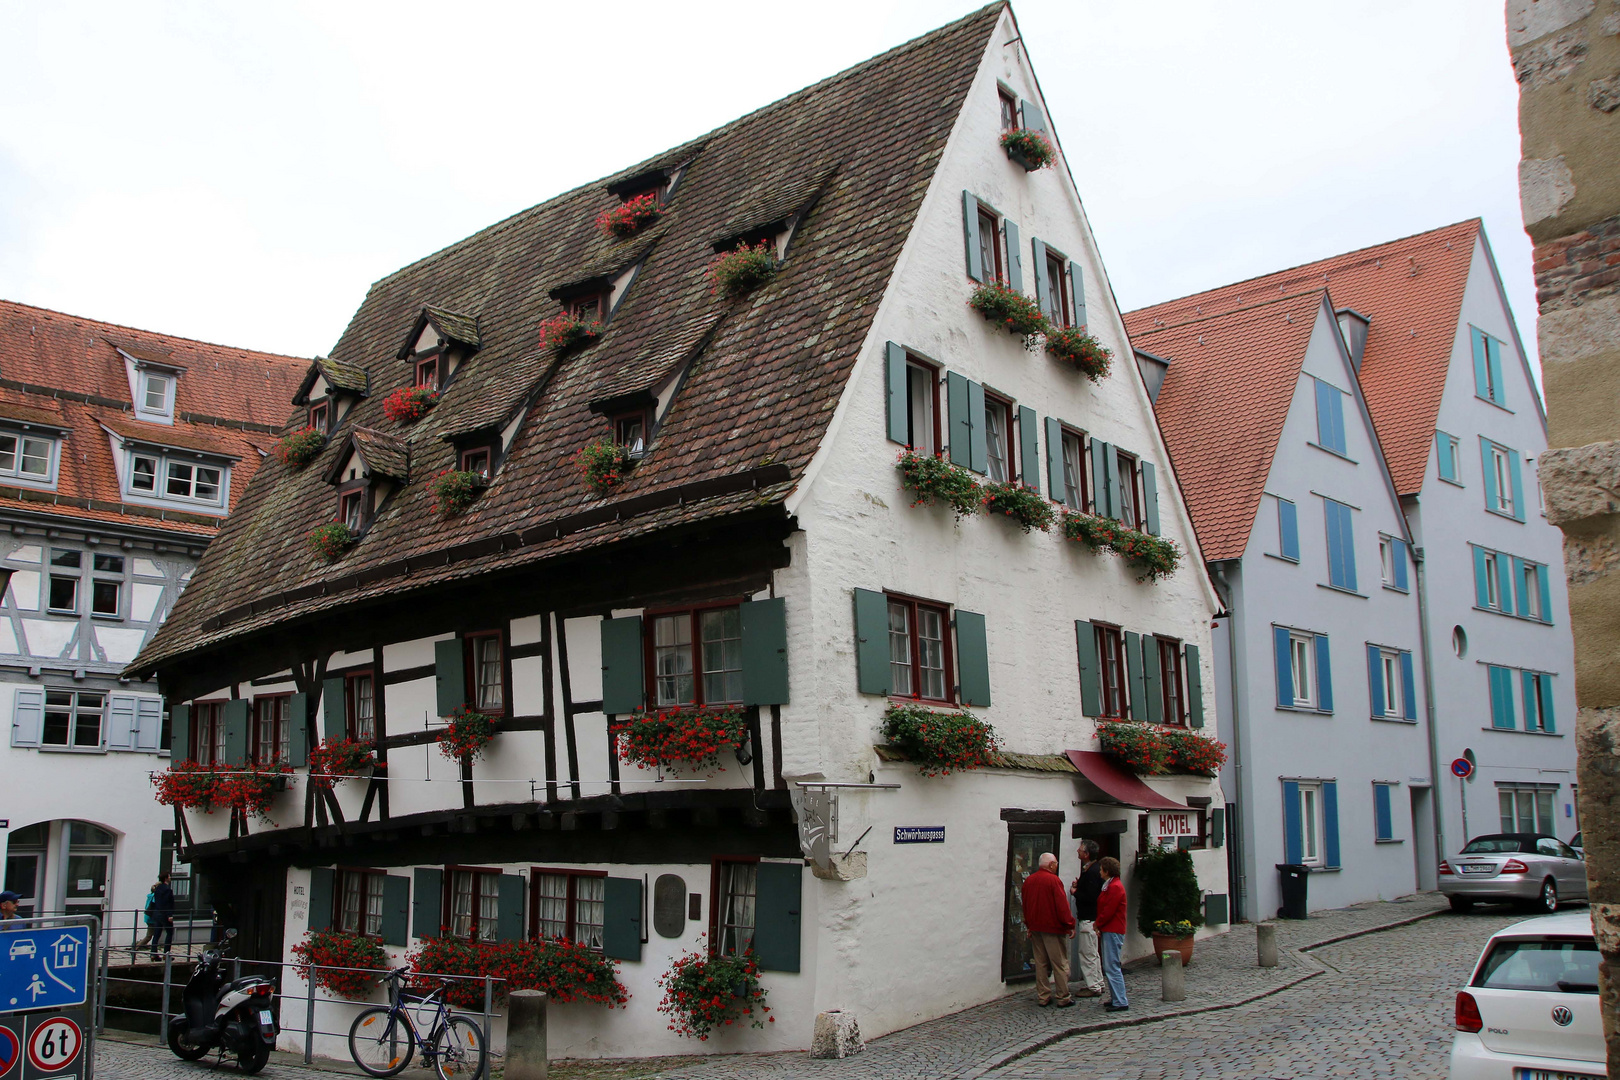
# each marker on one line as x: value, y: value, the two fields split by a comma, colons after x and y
x: 241, y: 173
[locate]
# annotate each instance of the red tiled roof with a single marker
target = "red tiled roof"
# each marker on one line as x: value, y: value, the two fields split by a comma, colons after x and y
x: 1412, y: 291
x: 1222, y: 407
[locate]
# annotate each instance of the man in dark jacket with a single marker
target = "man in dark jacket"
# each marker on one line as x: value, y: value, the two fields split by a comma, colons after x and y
x: 1047, y: 918
x: 1085, y: 890
x: 162, y: 915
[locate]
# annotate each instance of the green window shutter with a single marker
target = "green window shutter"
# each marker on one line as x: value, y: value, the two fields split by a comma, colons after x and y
x: 899, y: 404
x: 28, y: 718
x: 1493, y: 357
x: 1285, y: 667
x: 334, y: 721
x: 1183, y: 843
x: 1375, y: 678
x: 623, y: 672
x: 1324, y: 674
x: 1195, y: 686
x: 872, y: 642
x: 1408, y: 687
x: 1517, y: 477
x: 960, y: 433
x: 1547, y: 721
x: 1150, y: 499
x: 320, y: 898
x: 235, y: 716
x: 179, y: 733
x: 1116, y: 486
x: 449, y: 676
x: 1383, y: 813
x: 1546, y: 592
x: 621, y: 918
x: 509, y: 907
x: 1043, y: 287
x: 764, y: 652
x: 1085, y: 639
x: 1518, y: 599
x: 1445, y: 459
x: 1077, y: 294
x: 426, y: 921
x: 1015, y: 271
x: 776, y: 925
x: 1527, y: 687
x: 1033, y: 120
x: 1133, y: 676
x: 1482, y: 588
x: 972, y: 658
x: 298, y: 730
x: 1293, y: 824
x: 1101, y: 491
x: 1029, y: 448
x: 1152, y: 681
x: 1504, y: 581
x: 120, y: 725
x: 1288, y: 529
x: 1490, y: 473
x: 396, y: 910
x: 1054, y: 459
x: 1501, y: 685
x: 970, y: 233
x: 1482, y: 381
x: 1217, y: 828
x: 1330, y: 824
x: 978, y: 444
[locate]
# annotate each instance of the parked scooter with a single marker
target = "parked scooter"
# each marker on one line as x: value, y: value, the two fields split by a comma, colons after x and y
x: 234, y: 1016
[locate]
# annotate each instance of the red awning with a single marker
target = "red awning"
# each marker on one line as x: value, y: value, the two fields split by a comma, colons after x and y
x: 1119, y: 785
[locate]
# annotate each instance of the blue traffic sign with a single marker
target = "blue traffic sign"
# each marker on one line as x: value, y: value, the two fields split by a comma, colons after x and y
x: 44, y: 968
x: 1462, y: 768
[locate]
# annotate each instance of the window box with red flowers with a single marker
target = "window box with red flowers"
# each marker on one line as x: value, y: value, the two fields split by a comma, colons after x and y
x: 932, y: 480
x: 567, y: 331
x: 339, y: 759
x: 465, y: 737
x: 629, y: 218
x: 566, y: 970
x: 704, y: 992
x: 1022, y: 504
x: 454, y: 490
x: 248, y: 789
x: 331, y: 540
x: 1152, y: 557
x: 301, y: 447
x: 940, y: 743
x: 1156, y: 749
x: 1006, y: 307
x: 602, y: 464
x: 1081, y: 351
x: 347, y: 965
x: 1031, y: 149
x: 738, y: 273
x: 690, y: 736
x: 409, y: 404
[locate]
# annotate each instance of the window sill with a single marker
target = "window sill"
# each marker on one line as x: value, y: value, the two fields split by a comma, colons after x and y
x: 1323, y: 869
x: 1513, y: 615
x: 1389, y: 840
x: 61, y: 611
x: 1281, y: 558
x: 1397, y: 589
x: 1341, y: 589
x: 1493, y: 404
x: 1453, y: 483
x: 71, y: 749
x: 898, y: 700
x: 1522, y: 731
x: 1505, y: 514
x: 1335, y: 453
x: 105, y: 617
x: 1309, y: 710
x: 1394, y: 720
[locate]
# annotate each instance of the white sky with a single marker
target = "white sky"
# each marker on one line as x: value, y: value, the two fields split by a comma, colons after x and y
x: 241, y: 173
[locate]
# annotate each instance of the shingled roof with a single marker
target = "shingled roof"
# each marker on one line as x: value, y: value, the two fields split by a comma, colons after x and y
x: 754, y: 403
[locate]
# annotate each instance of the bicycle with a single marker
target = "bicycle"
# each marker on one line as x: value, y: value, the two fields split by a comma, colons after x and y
x: 383, y: 1039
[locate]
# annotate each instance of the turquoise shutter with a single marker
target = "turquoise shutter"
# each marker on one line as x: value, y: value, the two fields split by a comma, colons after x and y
x: 1501, y: 684
x: 960, y: 433
x: 1101, y: 454
x: 509, y: 908
x: 764, y: 652
x: 1085, y: 638
x: 1015, y: 272
x: 1493, y: 357
x: 320, y: 898
x: 1504, y: 581
x: 1077, y: 294
x: 179, y: 731
x: 120, y: 722
x: 1029, y: 448
x: 1444, y: 459
x: 1217, y: 828
x: 1293, y: 824
x: 1517, y: 477
x: 978, y: 443
x: 898, y: 401
x: 776, y: 937
x: 396, y: 910
x: 1043, y: 287
x: 1137, y: 709
x: 1482, y: 587
x: 1153, y: 682
x: 1383, y: 818
x: 1490, y: 473
x: 426, y: 920
x: 1033, y: 120
x: 1330, y: 825
x: 972, y: 658
x: 1324, y: 675
x: 1545, y: 586
x: 1547, y: 721
x: 1375, y: 679
x: 1482, y: 380
x: 970, y: 233
x: 1324, y: 417
x: 1517, y: 599
x: 872, y: 642
x: 1285, y: 667
x: 1527, y: 686
x: 235, y: 716
x: 1288, y: 529
x: 1408, y: 687
x: 1055, y: 486
x: 621, y: 919
x: 298, y: 730
x: 1150, y: 498
x: 623, y: 671
x: 1195, y: 688
x: 449, y: 676
x: 28, y: 720
x: 1400, y: 557
x: 334, y: 721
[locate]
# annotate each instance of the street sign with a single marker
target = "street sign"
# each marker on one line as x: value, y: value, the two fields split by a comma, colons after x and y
x: 1462, y: 768
x: 54, y: 1044
x: 10, y: 1049
x: 919, y: 834
x: 44, y: 968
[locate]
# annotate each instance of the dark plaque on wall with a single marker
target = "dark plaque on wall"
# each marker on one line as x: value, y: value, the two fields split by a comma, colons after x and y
x: 669, y: 905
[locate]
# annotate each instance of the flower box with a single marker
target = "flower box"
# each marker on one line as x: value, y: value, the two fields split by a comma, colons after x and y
x: 737, y: 273
x: 335, y: 760
x: 602, y: 464
x: 409, y: 404
x: 567, y: 331
x: 301, y: 447
x: 245, y: 788
x: 940, y: 743
x: 1158, y: 749
x: 1030, y: 149
x: 454, y: 490
x: 566, y: 971
x: 1080, y: 351
x: 331, y: 540
x: 331, y: 951
x: 466, y: 735
x: 693, y: 736
x: 1153, y: 557
x: 1008, y: 308
x: 629, y: 218
x: 1022, y: 504
x: 932, y: 480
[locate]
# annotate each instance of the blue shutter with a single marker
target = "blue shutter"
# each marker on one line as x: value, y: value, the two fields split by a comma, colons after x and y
x: 1490, y: 473
x: 621, y: 919
x: 1153, y: 682
x: 427, y: 903
x: 1527, y: 687
x: 1133, y: 676
x: 1324, y: 675
x: 1101, y: 492
x: 1504, y: 581
x: 1501, y: 683
x: 1029, y: 448
x: 28, y: 720
x: 1288, y: 529
x: 1408, y: 687
x: 1330, y: 417
x: 1518, y: 484
x: 1015, y: 271
x: 1077, y: 294
x: 1195, y: 688
x: 1446, y: 453
x: 776, y: 939
x: 1482, y: 586
x: 1383, y: 818
x: 972, y: 658
x: 1285, y: 668
x: 1150, y: 498
x: 1375, y: 678
x: 1493, y: 357
x: 1043, y: 288
x: 978, y: 443
x: 1085, y: 637
x: 320, y: 897
x: 1330, y: 824
x: 764, y: 651
x: 1335, y: 543
x: 623, y: 667
x: 1545, y: 586
x: 179, y: 732
x: 1347, y: 545
x: 959, y: 432
x: 1517, y: 599
x: 871, y: 642
x: 1293, y: 824
x: 899, y: 401
x: 1054, y: 460
x: 1547, y: 704
x: 396, y: 910
x: 970, y: 233
x: 1400, y: 556
x: 1482, y: 380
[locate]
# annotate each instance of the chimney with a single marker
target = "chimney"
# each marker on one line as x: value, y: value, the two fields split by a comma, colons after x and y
x: 1353, y: 326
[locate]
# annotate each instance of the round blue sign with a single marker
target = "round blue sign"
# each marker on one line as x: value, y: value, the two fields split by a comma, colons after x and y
x: 1462, y: 768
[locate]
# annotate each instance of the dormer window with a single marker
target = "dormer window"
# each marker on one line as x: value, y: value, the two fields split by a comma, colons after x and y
x: 153, y: 379
x: 630, y: 430
x: 156, y: 474
x: 427, y: 372
x: 27, y: 457
x: 188, y: 481
x: 588, y: 307
x: 352, y: 508
x: 476, y: 460
x: 319, y: 415
x: 155, y: 392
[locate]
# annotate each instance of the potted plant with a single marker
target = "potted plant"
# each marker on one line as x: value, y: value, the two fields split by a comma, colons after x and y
x: 338, y: 759
x: 703, y: 992
x: 739, y: 272
x: 466, y: 735
x: 1031, y: 149
x: 690, y: 735
x: 1169, y: 902
x: 629, y: 218
x: 454, y: 490
x: 301, y: 447
x: 940, y: 743
x: 331, y: 540
x: 602, y: 464
x: 409, y: 404
x: 331, y: 951
x: 933, y: 479
x: 566, y: 331
x: 1080, y: 350
x: 1010, y: 309
x: 1018, y: 502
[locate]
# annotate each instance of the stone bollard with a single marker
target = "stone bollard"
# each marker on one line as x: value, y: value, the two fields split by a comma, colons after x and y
x: 1174, y: 976
x: 837, y: 1035
x: 1265, y: 935
x: 526, y: 1035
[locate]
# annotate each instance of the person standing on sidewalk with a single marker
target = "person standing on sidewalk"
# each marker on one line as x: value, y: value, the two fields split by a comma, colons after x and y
x: 1085, y: 890
x: 1111, y: 926
x: 163, y: 915
x: 1047, y: 918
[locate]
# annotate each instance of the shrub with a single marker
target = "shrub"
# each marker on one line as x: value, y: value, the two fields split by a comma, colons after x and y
x: 602, y: 464
x: 1143, y: 748
x: 301, y: 447
x: 466, y: 735
x: 454, y: 490
x: 933, y: 479
x: 327, y: 949
x: 331, y: 540
x: 630, y: 217
x: 1166, y: 889
x: 1000, y: 303
x: 940, y: 743
x: 337, y: 759
x: 1078, y: 348
x: 1018, y: 502
x: 567, y: 331
x: 566, y: 970
x: 409, y: 404
x: 1153, y: 557
x: 1034, y: 150
x: 690, y: 734
x: 704, y: 992
x: 738, y: 273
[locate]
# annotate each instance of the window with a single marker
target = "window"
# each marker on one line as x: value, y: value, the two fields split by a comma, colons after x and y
x: 568, y: 904
x: 1287, y: 530
x: 919, y: 650
x: 486, y: 672
x: 1493, y: 594
x: 1170, y: 679
x: 427, y: 373
x: 159, y: 476
x: 1386, y: 561
x: 1111, y: 659
x: 271, y: 730
x: 72, y: 719
x: 1530, y: 596
x: 588, y: 307
x: 1500, y: 480
x: 476, y: 460
x: 318, y: 414
x: 1527, y: 807
x: 696, y: 656
x: 1074, y: 473
x: 1340, y: 545
x: 1128, y: 510
x: 188, y: 481
x: 359, y: 897
x: 1386, y: 682
x: 1300, y: 649
x: 144, y: 472
x: 1383, y: 813
x: 65, y: 574
x: 1538, y: 701
x: 27, y: 457
x: 107, y: 585
x: 474, y: 902
x: 1009, y: 110
x: 998, y: 438
x: 1448, y: 451
x: 922, y: 407
x: 155, y: 392
x: 630, y: 431
x: 990, y: 247
x: 1330, y: 418
x: 361, y: 706
x: 208, y: 732
x: 1310, y: 820
x: 736, y: 892
x: 1057, y: 289
x: 352, y: 508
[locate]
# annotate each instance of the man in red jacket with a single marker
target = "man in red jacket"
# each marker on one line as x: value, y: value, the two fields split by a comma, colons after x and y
x: 1050, y: 923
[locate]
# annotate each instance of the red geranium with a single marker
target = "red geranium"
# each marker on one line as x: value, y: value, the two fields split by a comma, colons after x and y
x: 409, y: 404
x: 703, y: 992
x: 691, y: 735
x: 629, y: 218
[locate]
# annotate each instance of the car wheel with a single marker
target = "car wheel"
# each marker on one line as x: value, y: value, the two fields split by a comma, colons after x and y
x: 1548, y: 901
x: 1461, y: 904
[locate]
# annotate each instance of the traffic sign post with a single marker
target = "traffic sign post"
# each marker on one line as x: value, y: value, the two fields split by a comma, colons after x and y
x: 48, y: 997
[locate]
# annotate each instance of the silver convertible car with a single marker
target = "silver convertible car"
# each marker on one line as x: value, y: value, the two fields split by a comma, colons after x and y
x: 1514, y: 868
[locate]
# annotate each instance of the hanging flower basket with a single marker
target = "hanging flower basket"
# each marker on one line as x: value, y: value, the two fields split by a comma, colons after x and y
x: 1079, y: 349
x: 1010, y: 309
x: 1029, y: 148
x: 738, y: 273
x: 301, y: 447
x: 631, y: 217
x: 932, y: 480
x: 1020, y: 503
x: 454, y: 490
x: 409, y: 404
x: 692, y: 736
x: 602, y: 463
x: 466, y: 735
x: 328, y: 949
x: 331, y: 540
x: 338, y: 759
x: 566, y: 970
x: 940, y: 743
x: 1152, y: 557
x: 567, y: 331
x: 703, y: 992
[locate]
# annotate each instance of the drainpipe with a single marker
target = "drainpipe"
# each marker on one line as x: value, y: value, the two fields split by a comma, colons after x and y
x: 1440, y: 850
x: 1240, y: 887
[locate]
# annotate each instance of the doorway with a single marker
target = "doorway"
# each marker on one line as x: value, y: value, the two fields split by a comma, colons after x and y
x: 1026, y: 843
x: 25, y: 866
x: 1426, y: 860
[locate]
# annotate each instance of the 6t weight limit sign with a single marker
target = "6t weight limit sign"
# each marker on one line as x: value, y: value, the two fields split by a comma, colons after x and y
x: 54, y: 1044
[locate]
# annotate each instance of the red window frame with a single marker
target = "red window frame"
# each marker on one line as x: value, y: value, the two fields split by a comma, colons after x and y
x: 1057, y: 280
x: 914, y: 640
x: 1126, y: 465
x: 351, y: 704
x: 1115, y: 696
x: 590, y: 306
x: 365, y: 874
x: 716, y: 878
x: 319, y: 415
x: 449, y: 900
x: 1008, y: 443
x: 990, y: 224
x: 478, y: 459
x: 279, y: 705
x: 206, y: 718
x: 428, y: 372
x: 650, y: 650
x: 1174, y: 702
x: 1009, y: 110
x: 355, y: 494
x: 1082, y: 468
x: 469, y: 654
x: 623, y: 425
x: 917, y: 367
x: 656, y: 190
x: 570, y: 902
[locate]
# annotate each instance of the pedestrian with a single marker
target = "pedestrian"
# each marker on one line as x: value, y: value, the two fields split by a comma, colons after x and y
x: 1047, y: 918
x: 149, y: 913
x: 163, y: 915
x: 8, y: 906
x: 1111, y: 927
x: 1085, y: 889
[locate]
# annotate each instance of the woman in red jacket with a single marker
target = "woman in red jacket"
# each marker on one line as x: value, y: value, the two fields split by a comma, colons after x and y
x: 1111, y: 929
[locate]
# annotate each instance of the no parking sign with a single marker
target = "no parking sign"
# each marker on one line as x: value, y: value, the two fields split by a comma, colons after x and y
x: 10, y: 1050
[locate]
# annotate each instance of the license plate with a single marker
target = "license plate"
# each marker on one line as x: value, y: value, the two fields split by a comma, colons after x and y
x: 265, y: 1018
x: 1477, y: 869
x: 1549, y: 1074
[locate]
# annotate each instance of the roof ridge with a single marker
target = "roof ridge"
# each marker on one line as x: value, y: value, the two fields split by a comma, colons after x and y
x: 1227, y: 314
x: 152, y: 333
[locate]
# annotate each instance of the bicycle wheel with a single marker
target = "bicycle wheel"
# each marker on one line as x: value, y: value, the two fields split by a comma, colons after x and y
x: 460, y: 1051
x: 380, y: 1042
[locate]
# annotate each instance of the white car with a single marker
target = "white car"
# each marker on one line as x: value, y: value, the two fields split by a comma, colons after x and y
x: 1530, y: 1012
x: 25, y: 947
